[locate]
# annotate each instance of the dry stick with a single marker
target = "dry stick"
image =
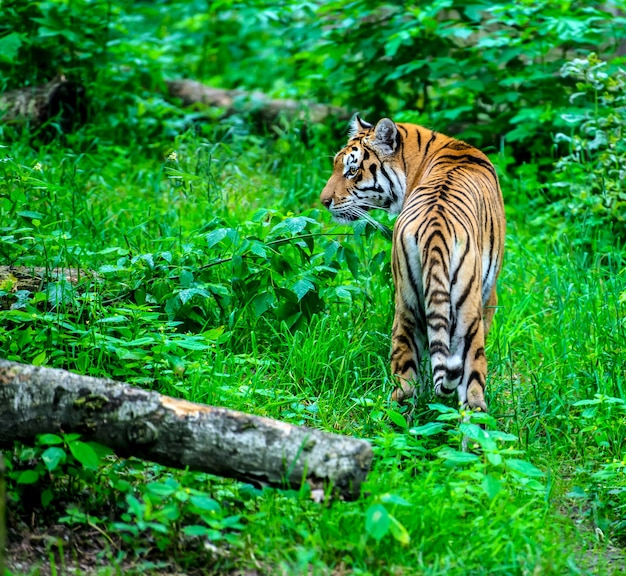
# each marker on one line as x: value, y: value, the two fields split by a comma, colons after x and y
x: 177, y: 433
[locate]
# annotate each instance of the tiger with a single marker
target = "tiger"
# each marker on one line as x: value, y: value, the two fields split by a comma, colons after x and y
x: 447, y: 248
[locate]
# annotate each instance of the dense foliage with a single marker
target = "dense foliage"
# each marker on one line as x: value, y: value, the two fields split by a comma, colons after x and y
x: 209, y: 272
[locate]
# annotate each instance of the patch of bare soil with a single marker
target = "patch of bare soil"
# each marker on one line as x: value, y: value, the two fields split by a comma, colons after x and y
x: 62, y: 550
x: 602, y: 557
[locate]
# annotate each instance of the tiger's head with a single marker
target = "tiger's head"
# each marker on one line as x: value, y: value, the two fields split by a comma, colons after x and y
x: 367, y: 173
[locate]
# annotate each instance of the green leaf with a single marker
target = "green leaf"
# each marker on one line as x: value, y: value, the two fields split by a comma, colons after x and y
x: 49, y: 439
x: 40, y: 359
x: 377, y: 521
x: 189, y: 293
x: 398, y: 419
x: 213, y: 334
x: 46, y: 497
x: 399, y: 532
x: 491, y: 486
x: 331, y: 251
x: 495, y: 458
x: 456, y: 456
x: 524, y: 468
x: 161, y: 488
x: 192, y: 342
x: 196, y: 530
x: 302, y: 287
x: 291, y: 226
x: 262, y: 302
x: 352, y: 260
x: 504, y: 436
x: 9, y: 47
x: 31, y: 215
x: 587, y: 402
x: 428, y: 429
x: 482, y: 418
x: 71, y: 437
x: 443, y: 409
x: 217, y: 289
x: 52, y: 457
x: 258, y: 248
x: 28, y: 477
x: 205, y: 503
x: 85, y: 454
x: 216, y: 236
x: 394, y: 499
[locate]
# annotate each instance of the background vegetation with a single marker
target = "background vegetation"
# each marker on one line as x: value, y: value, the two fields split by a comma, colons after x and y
x: 220, y: 280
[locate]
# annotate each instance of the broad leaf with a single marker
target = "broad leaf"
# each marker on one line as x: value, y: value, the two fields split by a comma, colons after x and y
x: 52, y: 457
x: 377, y: 521
x: 85, y: 454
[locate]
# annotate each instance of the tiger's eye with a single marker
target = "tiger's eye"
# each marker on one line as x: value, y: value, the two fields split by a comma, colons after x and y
x: 353, y: 170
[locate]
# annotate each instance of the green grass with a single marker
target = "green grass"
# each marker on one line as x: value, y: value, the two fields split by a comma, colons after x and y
x: 549, y: 498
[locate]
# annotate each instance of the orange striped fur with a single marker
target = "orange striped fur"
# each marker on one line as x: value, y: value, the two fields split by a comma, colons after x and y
x: 448, y: 243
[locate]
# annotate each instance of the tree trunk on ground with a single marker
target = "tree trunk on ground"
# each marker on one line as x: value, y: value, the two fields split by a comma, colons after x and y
x: 176, y: 433
x: 58, y: 99
x: 260, y: 105
x: 65, y: 101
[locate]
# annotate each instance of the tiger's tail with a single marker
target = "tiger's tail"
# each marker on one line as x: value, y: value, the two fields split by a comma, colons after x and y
x: 454, y: 322
x: 446, y: 368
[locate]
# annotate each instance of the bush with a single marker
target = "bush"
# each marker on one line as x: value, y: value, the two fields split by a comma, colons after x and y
x: 487, y: 72
x: 589, y: 179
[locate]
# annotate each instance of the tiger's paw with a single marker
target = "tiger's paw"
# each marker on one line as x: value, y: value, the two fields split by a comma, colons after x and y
x: 402, y: 393
x: 476, y: 398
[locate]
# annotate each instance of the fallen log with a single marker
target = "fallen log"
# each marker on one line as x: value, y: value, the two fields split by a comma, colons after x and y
x: 60, y: 99
x: 256, y: 103
x: 34, y: 279
x: 65, y: 102
x: 176, y: 433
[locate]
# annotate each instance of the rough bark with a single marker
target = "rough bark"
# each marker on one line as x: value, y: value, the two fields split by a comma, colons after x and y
x: 59, y: 99
x: 256, y: 103
x: 177, y: 433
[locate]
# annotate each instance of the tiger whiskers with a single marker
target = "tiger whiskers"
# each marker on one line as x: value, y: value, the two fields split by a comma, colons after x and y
x: 365, y: 215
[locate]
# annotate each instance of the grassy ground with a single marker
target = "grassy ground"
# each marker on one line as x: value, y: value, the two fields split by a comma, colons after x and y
x: 200, y: 296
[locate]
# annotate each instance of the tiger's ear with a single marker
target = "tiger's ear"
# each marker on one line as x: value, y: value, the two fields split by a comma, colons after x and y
x: 358, y: 125
x: 386, y: 136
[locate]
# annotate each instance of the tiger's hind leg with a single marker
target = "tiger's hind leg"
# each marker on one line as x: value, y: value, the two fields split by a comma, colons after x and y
x: 407, y: 350
x: 471, y: 389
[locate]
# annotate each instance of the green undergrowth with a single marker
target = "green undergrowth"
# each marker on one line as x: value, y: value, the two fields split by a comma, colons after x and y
x: 208, y: 272
x: 187, y: 253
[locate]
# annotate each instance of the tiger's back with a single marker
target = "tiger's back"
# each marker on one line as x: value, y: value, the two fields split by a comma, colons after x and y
x: 447, y: 247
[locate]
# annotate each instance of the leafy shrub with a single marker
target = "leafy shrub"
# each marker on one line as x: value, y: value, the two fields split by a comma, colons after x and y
x: 590, y: 178
x: 41, y: 39
x: 63, y: 470
x: 488, y: 72
x: 59, y: 465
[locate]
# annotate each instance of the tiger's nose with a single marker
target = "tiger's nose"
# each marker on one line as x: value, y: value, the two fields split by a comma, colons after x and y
x: 327, y: 202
